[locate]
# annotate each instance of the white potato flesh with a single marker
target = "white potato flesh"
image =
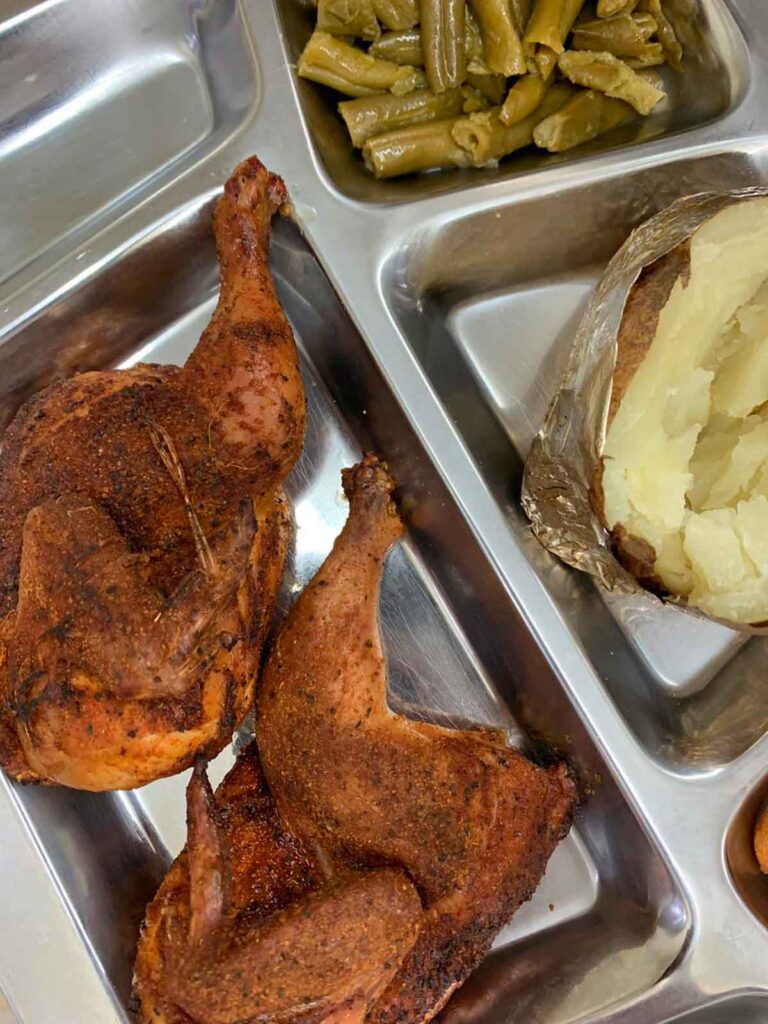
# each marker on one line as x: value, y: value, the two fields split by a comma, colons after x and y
x: 685, y: 463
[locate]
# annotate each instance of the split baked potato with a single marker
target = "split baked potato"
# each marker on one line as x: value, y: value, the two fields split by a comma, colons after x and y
x: 682, y: 483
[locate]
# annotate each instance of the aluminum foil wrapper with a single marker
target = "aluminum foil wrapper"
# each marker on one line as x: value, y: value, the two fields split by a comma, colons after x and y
x: 566, y: 451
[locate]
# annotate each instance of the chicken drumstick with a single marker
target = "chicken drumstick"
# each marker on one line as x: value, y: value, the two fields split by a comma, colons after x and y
x: 143, y: 532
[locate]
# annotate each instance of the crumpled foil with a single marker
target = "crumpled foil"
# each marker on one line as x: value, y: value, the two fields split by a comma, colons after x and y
x: 566, y: 451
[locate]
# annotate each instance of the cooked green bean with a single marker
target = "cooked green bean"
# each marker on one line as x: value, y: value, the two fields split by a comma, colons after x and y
x: 331, y: 61
x: 474, y: 100
x: 472, y: 40
x: 402, y: 47
x: 571, y: 11
x: 473, y: 45
x: 486, y: 138
x: 405, y: 47
x: 521, y: 12
x: 374, y: 115
x: 420, y: 147
x: 348, y: 18
x: 397, y: 14
x: 608, y: 74
x: 543, y: 58
x: 652, y: 56
x: 442, y: 39
x: 523, y: 98
x: 607, y: 8
x: 544, y: 25
x: 584, y: 117
x: 623, y: 35
x: 502, y: 47
x: 673, y: 51
x: 492, y: 87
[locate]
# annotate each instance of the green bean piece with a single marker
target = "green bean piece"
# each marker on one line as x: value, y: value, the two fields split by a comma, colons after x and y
x: 375, y: 115
x: 473, y: 99
x: 402, y: 47
x: 544, y: 25
x: 542, y: 63
x: 608, y: 8
x: 493, y: 87
x: 673, y: 51
x: 652, y: 56
x: 586, y: 116
x: 487, y: 139
x: 331, y: 61
x: 405, y: 47
x: 348, y: 18
x: 473, y: 45
x: 523, y: 98
x: 623, y: 35
x: 397, y: 14
x: 608, y: 74
x: 502, y: 47
x: 571, y: 11
x: 521, y: 12
x: 420, y: 147
x: 543, y: 58
x: 472, y: 40
x: 442, y: 40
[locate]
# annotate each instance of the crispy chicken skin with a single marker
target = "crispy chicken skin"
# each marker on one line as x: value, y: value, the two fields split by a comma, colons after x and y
x: 251, y: 925
x: 472, y: 821
x: 143, y: 532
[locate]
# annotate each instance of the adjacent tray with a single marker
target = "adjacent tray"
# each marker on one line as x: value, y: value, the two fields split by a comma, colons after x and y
x: 433, y: 317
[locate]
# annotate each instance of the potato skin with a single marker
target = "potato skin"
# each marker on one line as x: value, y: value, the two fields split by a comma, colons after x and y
x: 645, y: 301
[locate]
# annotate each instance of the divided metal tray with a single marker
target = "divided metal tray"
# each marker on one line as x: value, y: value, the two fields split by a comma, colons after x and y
x: 433, y: 317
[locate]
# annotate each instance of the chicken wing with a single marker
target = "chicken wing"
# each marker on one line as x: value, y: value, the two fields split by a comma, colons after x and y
x: 143, y: 532
x: 472, y: 821
x: 251, y: 924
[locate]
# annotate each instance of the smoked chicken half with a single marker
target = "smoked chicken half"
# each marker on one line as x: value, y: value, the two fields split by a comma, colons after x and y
x: 465, y: 821
x: 143, y: 532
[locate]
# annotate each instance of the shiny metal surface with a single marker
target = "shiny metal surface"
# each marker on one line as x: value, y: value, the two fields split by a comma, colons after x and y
x: 101, y: 100
x: 432, y: 328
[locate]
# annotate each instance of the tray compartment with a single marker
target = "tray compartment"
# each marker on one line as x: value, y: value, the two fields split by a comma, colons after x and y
x: 492, y: 330
x: 716, y: 79
x: 99, y: 98
x: 443, y: 610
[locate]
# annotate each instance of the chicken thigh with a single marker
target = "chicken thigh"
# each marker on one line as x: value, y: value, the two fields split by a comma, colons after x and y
x: 470, y: 820
x: 143, y: 532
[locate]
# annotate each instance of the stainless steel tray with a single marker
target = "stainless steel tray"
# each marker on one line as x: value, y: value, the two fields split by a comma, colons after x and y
x: 433, y: 317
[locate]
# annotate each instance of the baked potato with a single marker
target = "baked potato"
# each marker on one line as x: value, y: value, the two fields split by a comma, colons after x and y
x: 682, y: 480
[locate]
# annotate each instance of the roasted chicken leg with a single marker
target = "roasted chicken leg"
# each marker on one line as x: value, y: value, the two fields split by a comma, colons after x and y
x: 251, y: 925
x: 372, y: 878
x: 143, y: 532
x: 470, y: 820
